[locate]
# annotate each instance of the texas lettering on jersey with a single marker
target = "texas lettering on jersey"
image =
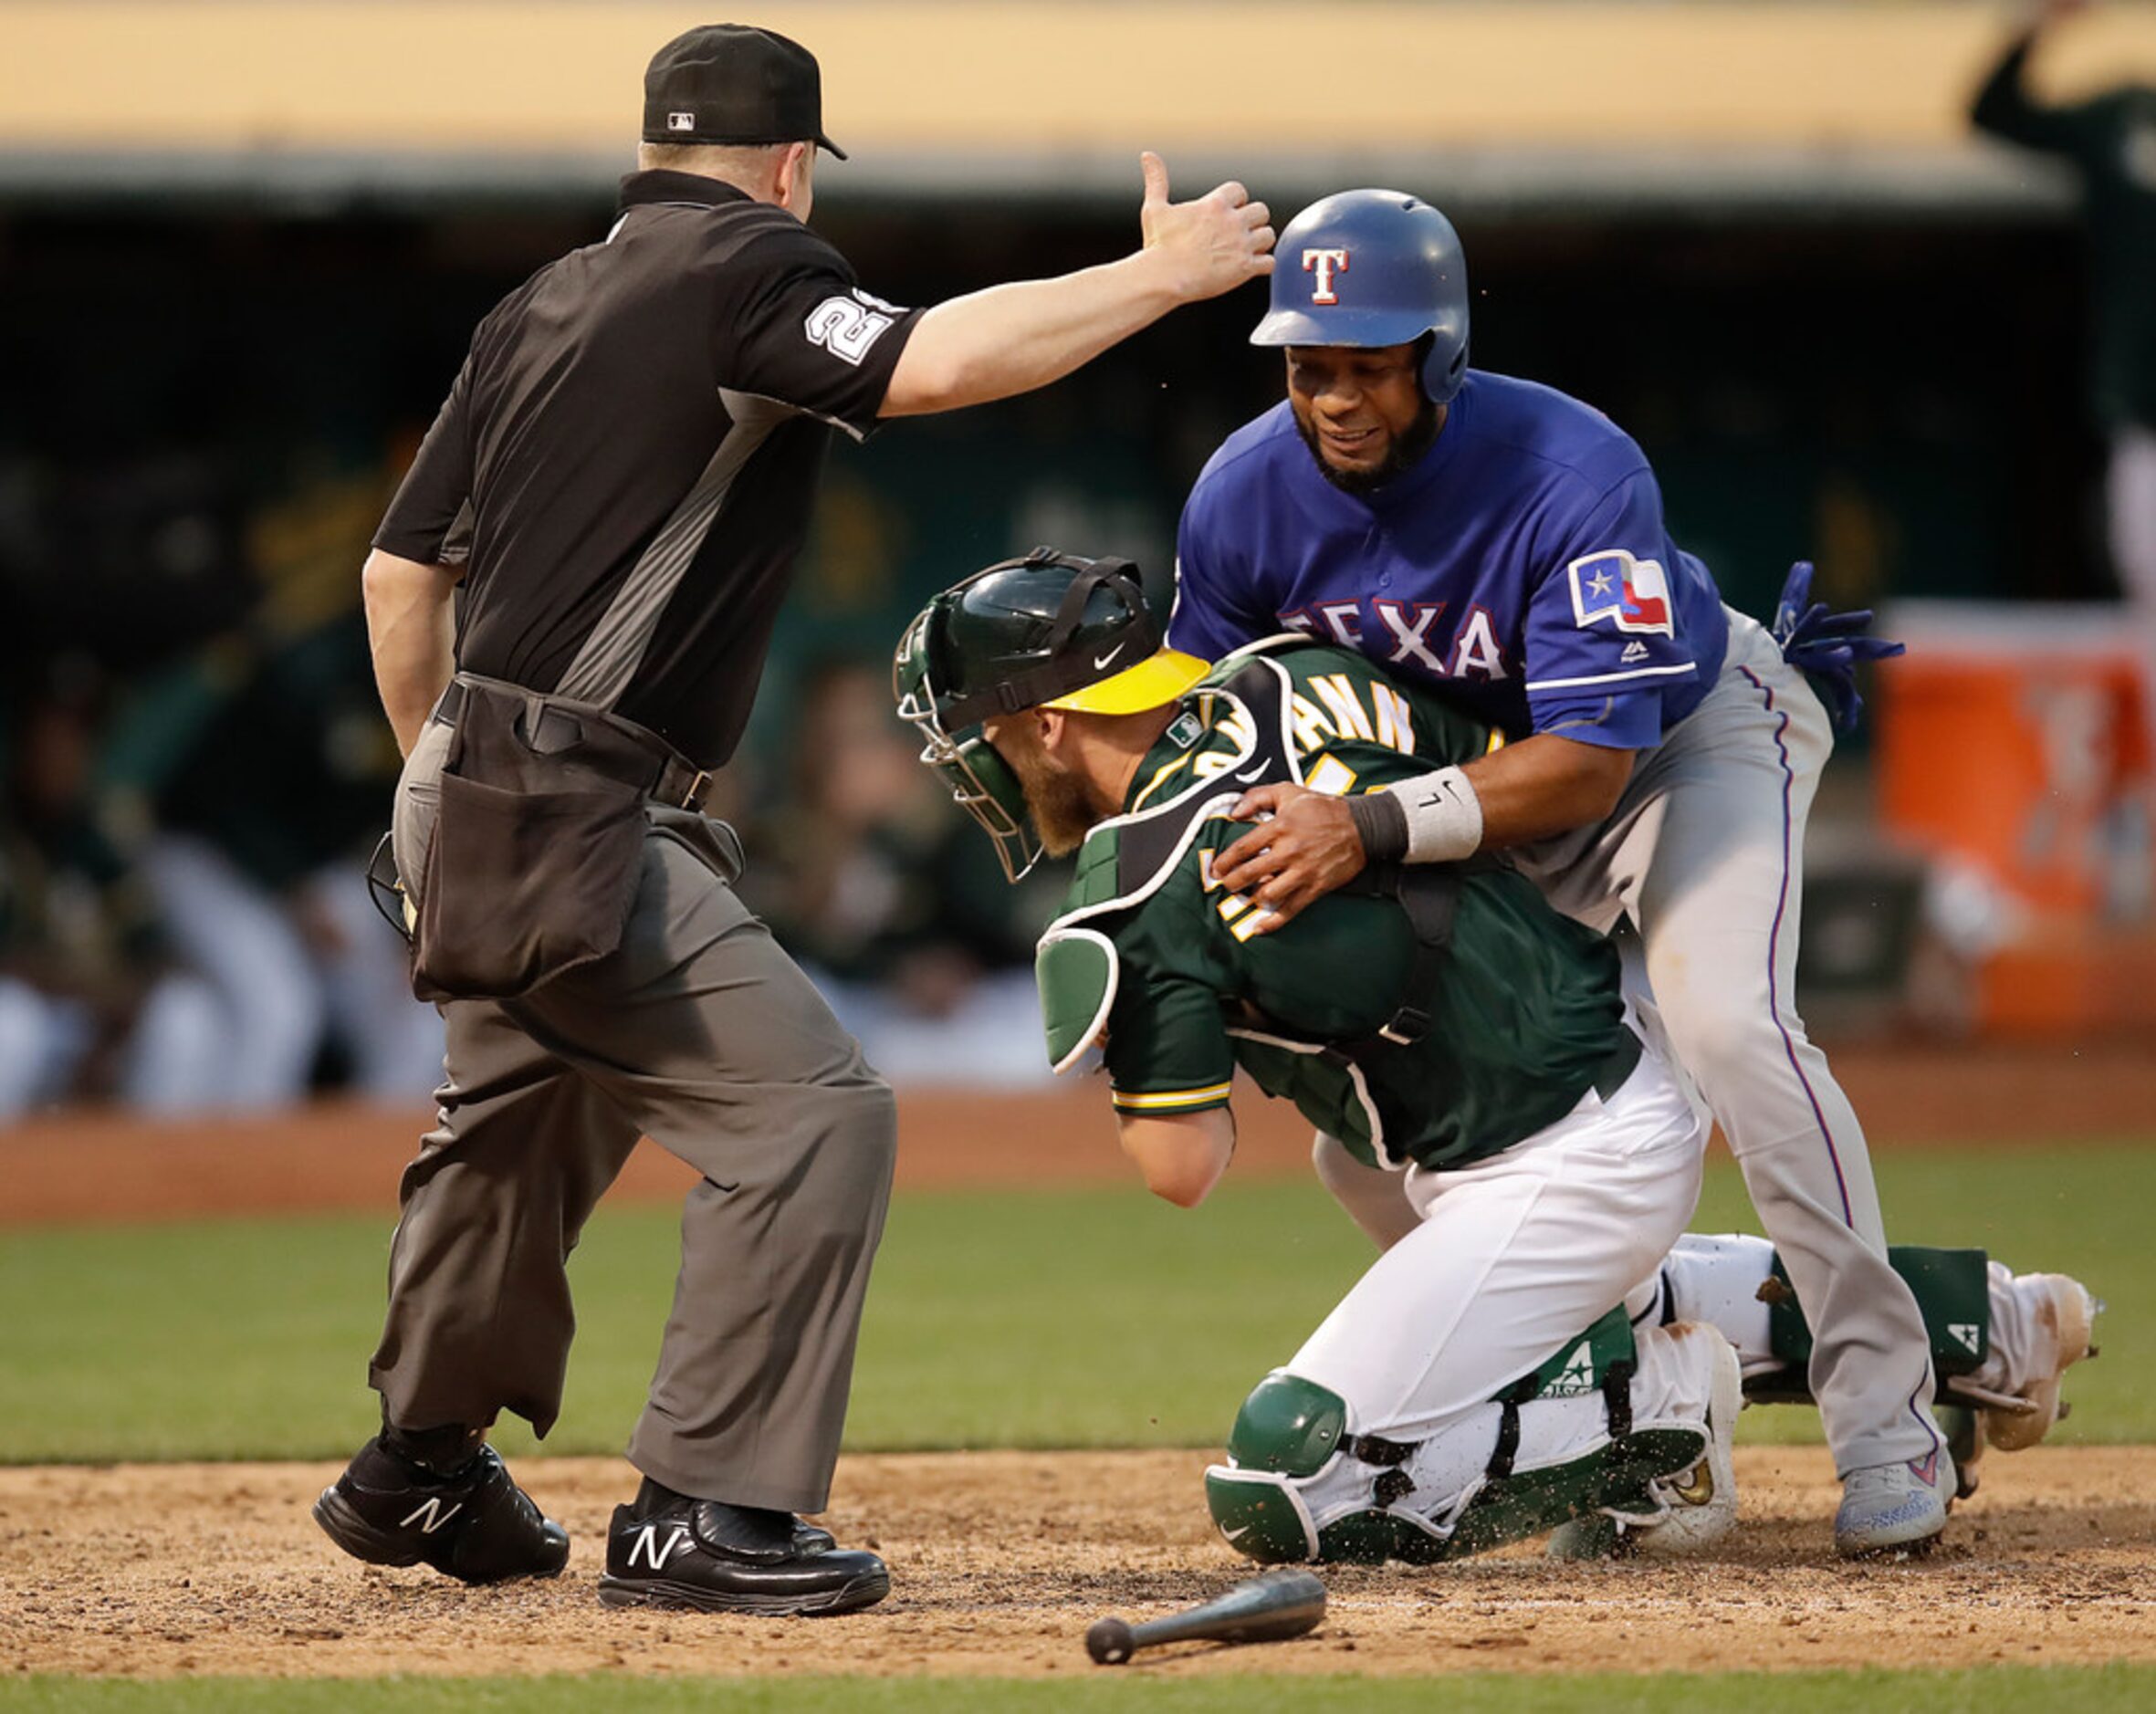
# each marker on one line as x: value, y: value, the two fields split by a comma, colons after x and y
x: 1405, y: 634
x: 1521, y: 567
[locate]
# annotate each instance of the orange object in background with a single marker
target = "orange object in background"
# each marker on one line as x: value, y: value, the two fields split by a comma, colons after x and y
x: 2014, y: 743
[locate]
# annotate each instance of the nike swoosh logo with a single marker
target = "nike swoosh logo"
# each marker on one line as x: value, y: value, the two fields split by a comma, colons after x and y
x: 1103, y: 660
x: 1696, y: 1490
x: 1249, y: 774
x: 1235, y: 1535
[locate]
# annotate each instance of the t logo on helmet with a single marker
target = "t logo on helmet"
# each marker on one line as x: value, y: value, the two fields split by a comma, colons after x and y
x: 1324, y: 264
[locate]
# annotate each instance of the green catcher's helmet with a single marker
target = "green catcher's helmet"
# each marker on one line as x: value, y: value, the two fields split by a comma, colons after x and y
x: 1048, y: 630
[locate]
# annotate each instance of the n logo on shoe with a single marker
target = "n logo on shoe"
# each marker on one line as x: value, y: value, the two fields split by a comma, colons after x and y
x: 646, y: 1547
x: 433, y: 1513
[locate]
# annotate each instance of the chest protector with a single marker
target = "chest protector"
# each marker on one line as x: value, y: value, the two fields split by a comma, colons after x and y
x: 1128, y: 859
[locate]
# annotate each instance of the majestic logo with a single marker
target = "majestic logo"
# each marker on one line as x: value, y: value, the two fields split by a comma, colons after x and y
x: 647, y: 1548
x: 681, y: 121
x: 1635, y: 650
x: 1324, y: 264
x: 1613, y: 585
x: 430, y: 1517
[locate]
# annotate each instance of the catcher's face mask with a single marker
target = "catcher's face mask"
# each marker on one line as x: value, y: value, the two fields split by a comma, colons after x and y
x: 1048, y: 630
x: 980, y: 781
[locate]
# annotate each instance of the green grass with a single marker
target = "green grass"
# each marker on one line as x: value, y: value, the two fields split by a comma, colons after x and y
x: 1014, y: 1319
x: 2114, y: 1689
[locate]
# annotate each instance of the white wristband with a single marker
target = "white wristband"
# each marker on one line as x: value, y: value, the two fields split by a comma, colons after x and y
x: 1444, y: 815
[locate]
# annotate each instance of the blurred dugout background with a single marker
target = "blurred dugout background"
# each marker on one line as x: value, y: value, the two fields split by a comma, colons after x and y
x: 242, y: 246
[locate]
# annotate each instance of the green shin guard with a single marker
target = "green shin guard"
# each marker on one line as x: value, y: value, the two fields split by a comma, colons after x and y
x: 1290, y: 1431
x: 1952, y: 1289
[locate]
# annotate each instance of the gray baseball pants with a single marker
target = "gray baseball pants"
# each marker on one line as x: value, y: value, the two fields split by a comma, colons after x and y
x: 1705, y: 854
x: 699, y: 1033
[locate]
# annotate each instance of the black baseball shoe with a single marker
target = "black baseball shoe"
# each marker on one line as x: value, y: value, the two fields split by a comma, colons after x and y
x: 677, y: 1551
x: 476, y: 1525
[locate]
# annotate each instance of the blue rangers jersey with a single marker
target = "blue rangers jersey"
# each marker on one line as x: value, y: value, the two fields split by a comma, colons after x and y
x: 1521, y: 566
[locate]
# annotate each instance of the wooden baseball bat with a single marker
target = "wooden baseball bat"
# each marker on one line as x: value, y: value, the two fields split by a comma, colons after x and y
x: 1268, y: 1609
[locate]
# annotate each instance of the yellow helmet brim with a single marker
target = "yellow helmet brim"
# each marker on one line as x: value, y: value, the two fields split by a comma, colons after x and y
x: 1152, y: 684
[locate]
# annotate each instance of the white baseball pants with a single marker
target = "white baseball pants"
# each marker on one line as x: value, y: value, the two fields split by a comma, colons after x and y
x: 1512, y: 1258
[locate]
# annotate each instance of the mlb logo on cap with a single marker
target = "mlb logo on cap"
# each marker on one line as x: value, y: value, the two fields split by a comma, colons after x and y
x: 681, y: 121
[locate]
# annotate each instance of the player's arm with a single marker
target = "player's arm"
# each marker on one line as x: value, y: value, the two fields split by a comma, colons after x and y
x: 1011, y: 338
x: 2004, y: 107
x: 1181, y: 1155
x: 1170, y: 1065
x: 1310, y: 843
x: 412, y: 634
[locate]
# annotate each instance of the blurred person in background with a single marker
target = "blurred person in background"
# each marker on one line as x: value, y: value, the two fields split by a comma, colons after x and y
x: 91, y: 1000
x: 266, y: 888
x: 2110, y: 141
x: 900, y: 919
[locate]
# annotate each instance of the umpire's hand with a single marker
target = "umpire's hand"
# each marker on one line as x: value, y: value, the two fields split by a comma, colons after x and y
x: 1304, y: 845
x: 1206, y: 247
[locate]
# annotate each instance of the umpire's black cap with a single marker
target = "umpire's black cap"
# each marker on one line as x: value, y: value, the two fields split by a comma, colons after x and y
x: 733, y: 83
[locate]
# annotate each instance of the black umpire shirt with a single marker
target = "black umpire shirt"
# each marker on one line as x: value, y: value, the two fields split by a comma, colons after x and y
x: 626, y: 463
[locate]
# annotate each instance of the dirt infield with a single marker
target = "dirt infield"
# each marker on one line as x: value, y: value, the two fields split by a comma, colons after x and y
x: 1000, y: 1559
x: 89, y: 1166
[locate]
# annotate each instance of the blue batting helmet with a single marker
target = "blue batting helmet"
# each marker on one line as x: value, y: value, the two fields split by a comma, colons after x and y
x: 1373, y: 267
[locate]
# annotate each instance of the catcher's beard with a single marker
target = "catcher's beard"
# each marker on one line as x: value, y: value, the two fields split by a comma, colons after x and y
x: 1058, y: 800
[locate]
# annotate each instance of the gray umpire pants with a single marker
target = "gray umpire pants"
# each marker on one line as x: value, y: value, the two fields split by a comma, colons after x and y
x: 702, y: 1034
x: 1705, y: 854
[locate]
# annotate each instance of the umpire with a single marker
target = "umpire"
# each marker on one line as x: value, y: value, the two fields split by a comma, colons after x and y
x: 570, y: 603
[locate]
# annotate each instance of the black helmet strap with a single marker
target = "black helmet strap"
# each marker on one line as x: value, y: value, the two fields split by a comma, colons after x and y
x: 1056, y: 675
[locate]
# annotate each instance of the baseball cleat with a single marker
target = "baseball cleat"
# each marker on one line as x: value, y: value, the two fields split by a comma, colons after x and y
x: 1897, y: 1509
x: 1699, y: 1503
x: 2065, y: 1318
x: 709, y: 1557
x: 478, y: 1526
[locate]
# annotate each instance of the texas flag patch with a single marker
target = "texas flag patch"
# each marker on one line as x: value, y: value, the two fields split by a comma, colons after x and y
x: 1614, y: 585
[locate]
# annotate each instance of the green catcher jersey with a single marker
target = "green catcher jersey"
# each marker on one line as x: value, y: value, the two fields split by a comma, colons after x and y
x: 1152, y: 958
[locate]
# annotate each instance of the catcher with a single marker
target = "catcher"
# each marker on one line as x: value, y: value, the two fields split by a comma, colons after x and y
x: 1489, y: 1378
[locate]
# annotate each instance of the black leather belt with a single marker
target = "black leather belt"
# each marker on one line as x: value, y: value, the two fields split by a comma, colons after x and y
x: 560, y: 728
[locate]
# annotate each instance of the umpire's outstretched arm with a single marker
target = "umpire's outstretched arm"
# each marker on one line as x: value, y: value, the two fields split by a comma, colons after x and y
x: 1011, y: 338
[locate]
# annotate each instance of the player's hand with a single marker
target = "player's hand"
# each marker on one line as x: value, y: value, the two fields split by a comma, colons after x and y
x: 1826, y: 645
x: 1303, y: 847
x: 1209, y: 245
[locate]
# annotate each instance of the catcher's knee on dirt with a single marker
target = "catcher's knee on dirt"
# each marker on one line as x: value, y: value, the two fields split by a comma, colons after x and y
x: 1305, y: 1481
